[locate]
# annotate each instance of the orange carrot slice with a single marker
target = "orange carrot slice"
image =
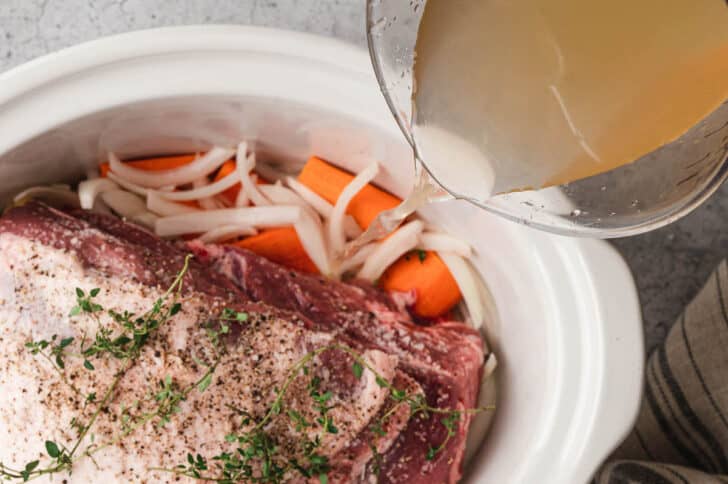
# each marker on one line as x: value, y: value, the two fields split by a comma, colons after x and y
x: 162, y: 162
x: 329, y: 181
x: 280, y: 245
x: 436, y: 290
x: 154, y: 164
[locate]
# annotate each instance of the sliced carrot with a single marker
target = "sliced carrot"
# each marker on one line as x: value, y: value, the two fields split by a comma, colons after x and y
x: 280, y: 245
x: 436, y: 290
x: 162, y: 162
x: 329, y: 181
x: 154, y: 164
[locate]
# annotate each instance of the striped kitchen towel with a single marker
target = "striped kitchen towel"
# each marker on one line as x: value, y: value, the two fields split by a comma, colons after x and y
x: 681, y: 435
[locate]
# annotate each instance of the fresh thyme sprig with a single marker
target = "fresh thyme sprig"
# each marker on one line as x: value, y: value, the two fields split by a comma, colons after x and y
x: 125, y: 346
x: 168, y: 398
x: 256, y: 459
x: 55, y: 356
x: 257, y: 456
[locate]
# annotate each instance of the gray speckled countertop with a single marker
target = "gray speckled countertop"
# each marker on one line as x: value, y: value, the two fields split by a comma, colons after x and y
x: 670, y: 264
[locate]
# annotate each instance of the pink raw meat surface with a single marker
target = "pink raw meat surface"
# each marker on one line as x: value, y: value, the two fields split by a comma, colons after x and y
x: 45, y: 253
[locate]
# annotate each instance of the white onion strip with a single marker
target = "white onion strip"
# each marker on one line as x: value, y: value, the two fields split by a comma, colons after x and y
x: 469, y: 286
x: 242, y: 200
x: 309, y: 229
x: 206, y: 203
x: 53, y: 193
x: 226, y: 232
x: 132, y: 187
x: 491, y: 363
x: 198, y: 168
x: 281, y: 195
x: 358, y: 259
x: 212, y: 203
x: 337, y: 238
x: 88, y: 190
x: 311, y: 235
x: 101, y: 207
x: 243, y: 166
x: 165, y: 208
x: 390, y: 249
x: 147, y: 219
x: 439, y: 242
x: 204, y: 221
x: 322, y: 206
x: 124, y: 203
x: 351, y: 228
x: 202, y: 192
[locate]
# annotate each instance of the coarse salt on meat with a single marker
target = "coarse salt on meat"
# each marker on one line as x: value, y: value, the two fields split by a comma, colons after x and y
x: 45, y: 253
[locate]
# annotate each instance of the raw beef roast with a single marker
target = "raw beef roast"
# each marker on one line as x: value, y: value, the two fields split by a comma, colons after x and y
x: 251, y: 320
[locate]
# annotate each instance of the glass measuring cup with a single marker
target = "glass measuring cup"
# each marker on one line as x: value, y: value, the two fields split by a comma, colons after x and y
x: 651, y: 192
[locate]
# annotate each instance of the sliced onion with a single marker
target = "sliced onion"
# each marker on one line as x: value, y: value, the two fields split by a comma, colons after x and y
x: 223, y: 202
x: 202, y: 166
x: 124, y: 203
x: 390, y: 249
x: 101, y: 207
x: 53, y: 194
x: 88, y: 190
x: 159, y: 205
x: 323, y: 207
x: 243, y: 166
x: 226, y: 232
x: 309, y: 229
x: 351, y: 228
x: 204, y: 221
x: 337, y: 238
x: 132, y: 187
x: 439, y: 242
x: 207, y: 203
x: 469, y: 286
x: 310, y: 233
x: 242, y: 200
x: 60, y: 187
x: 281, y: 195
x: 491, y: 363
x: 212, y: 203
x: 202, y: 192
x: 359, y: 258
x: 147, y: 219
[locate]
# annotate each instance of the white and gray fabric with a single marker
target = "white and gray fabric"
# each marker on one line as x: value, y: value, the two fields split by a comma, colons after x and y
x: 681, y: 435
